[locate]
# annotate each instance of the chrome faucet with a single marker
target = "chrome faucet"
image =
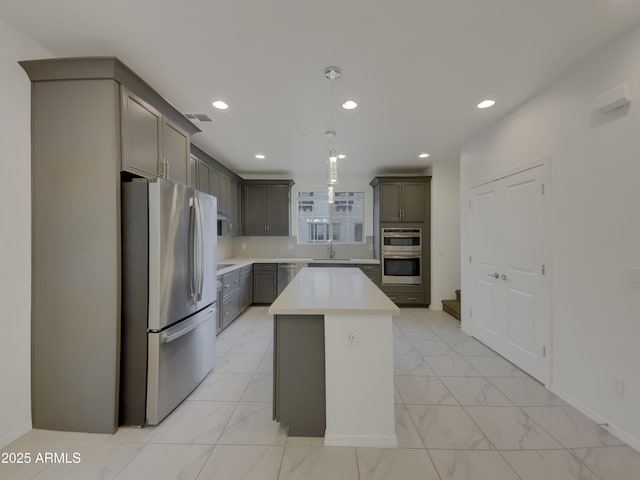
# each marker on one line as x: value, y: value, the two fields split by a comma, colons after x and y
x: 332, y: 253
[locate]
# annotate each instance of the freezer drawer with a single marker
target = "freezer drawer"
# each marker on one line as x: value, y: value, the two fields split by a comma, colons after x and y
x: 179, y: 358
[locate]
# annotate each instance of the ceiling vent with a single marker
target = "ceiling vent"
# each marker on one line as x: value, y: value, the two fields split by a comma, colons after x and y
x: 202, y: 117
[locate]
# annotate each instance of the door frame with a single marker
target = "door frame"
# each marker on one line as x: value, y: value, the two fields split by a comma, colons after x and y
x: 545, y: 165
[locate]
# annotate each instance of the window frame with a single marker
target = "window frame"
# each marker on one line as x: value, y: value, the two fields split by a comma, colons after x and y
x: 343, y: 201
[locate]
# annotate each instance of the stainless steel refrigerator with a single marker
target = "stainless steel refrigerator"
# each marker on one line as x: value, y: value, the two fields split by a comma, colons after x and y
x: 168, y: 330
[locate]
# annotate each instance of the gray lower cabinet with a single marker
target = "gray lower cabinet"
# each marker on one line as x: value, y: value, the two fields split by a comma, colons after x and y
x: 230, y: 297
x: 298, y: 374
x: 265, y: 280
x: 234, y: 295
x: 372, y: 271
x: 246, y: 287
x: 416, y: 298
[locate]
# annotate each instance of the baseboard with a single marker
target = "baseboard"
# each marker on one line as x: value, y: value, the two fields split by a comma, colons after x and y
x: 435, y: 306
x: 15, y: 434
x: 619, y: 432
x: 380, y: 441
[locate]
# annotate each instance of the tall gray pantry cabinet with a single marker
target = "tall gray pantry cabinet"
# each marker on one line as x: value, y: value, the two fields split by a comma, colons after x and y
x: 91, y: 119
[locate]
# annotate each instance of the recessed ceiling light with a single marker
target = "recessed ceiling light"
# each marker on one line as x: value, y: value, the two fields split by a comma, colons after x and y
x: 341, y: 156
x: 486, y: 104
x: 423, y: 155
x: 220, y: 105
x: 260, y: 156
x: 349, y: 105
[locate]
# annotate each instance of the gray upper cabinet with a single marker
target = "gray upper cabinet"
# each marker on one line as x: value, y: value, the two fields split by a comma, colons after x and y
x: 214, y: 184
x: 223, y: 197
x: 141, y: 136
x: 152, y: 145
x: 218, y: 180
x: 203, y: 177
x: 234, y: 208
x: 277, y: 209
x: 413, y: 201
x: 254, y: 219
x: 391, y: 203
x: 192, y: 172
x: 175, y: 152
x: 266, y: 207
x: 401, y: 200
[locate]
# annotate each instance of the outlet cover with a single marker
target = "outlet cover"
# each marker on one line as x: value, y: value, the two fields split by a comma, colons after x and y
x: 290, y: 246
x: 243, y: 246
x: 351, y: 338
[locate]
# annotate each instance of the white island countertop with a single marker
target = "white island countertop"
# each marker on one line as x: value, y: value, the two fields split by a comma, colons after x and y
x: 323, y: 291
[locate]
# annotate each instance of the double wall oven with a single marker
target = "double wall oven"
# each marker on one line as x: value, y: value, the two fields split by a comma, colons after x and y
x: 401, y: 256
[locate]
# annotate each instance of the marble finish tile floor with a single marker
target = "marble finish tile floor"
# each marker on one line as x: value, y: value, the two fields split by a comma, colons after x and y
x: 462, y: 412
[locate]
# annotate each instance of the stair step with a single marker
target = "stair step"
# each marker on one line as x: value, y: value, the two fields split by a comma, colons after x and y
x: 452, y: 307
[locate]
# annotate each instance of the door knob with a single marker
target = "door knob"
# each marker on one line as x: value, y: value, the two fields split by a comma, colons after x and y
x: 494, y: 275
x: 503, y: 276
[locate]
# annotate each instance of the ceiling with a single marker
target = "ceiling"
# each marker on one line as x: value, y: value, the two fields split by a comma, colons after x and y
x: 417, y: 68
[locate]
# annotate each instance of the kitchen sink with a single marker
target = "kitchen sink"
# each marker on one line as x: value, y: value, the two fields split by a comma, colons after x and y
x: 331, y: 260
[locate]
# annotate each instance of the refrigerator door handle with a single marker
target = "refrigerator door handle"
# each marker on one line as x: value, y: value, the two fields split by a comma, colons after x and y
x: 191, y: 274
x: 167, y: 337
x: 200, y: 251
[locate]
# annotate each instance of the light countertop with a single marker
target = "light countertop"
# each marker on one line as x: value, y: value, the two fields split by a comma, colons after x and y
x: 320, y: 291
x: 236, y: 263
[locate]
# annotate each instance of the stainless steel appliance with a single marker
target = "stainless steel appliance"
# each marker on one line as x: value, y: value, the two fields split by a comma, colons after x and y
x: 286, y: 272
x: 401, y: 256
x: 168, y: 328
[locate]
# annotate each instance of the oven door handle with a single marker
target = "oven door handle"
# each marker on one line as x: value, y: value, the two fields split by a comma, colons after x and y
x: 401, y: 235
x: 401, y: 256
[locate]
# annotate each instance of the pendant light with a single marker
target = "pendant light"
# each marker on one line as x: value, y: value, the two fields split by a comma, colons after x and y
x: 332, y: 73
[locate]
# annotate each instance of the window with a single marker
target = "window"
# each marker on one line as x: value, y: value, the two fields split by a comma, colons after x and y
x: 318, y: 232
x: 341, y: 221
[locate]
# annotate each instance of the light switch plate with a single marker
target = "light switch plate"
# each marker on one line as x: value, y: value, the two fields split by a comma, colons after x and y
x: 633, y: 277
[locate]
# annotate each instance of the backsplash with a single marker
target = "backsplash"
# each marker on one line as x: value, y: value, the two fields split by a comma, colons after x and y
x: 287, y: 247
x: 225, y: 247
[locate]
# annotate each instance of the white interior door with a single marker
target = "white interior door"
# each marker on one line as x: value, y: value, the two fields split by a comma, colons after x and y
x: 486, y: 200
x: 510, y: 309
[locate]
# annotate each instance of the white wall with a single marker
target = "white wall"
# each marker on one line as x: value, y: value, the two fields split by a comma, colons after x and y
x: 15, y: 218
x: 595, y: 226
x: 445, y: 232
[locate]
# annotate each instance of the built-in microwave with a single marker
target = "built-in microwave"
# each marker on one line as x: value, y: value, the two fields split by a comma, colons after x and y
x: 401, y: 240
x: 401, y: 256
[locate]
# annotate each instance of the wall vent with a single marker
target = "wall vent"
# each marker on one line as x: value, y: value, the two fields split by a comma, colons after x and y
x: 202, y: 117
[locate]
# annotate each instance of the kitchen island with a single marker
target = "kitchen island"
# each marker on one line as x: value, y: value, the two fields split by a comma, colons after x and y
x: 333, y: 358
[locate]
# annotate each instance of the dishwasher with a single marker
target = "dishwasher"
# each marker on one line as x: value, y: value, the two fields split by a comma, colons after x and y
x: 286, y: 272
